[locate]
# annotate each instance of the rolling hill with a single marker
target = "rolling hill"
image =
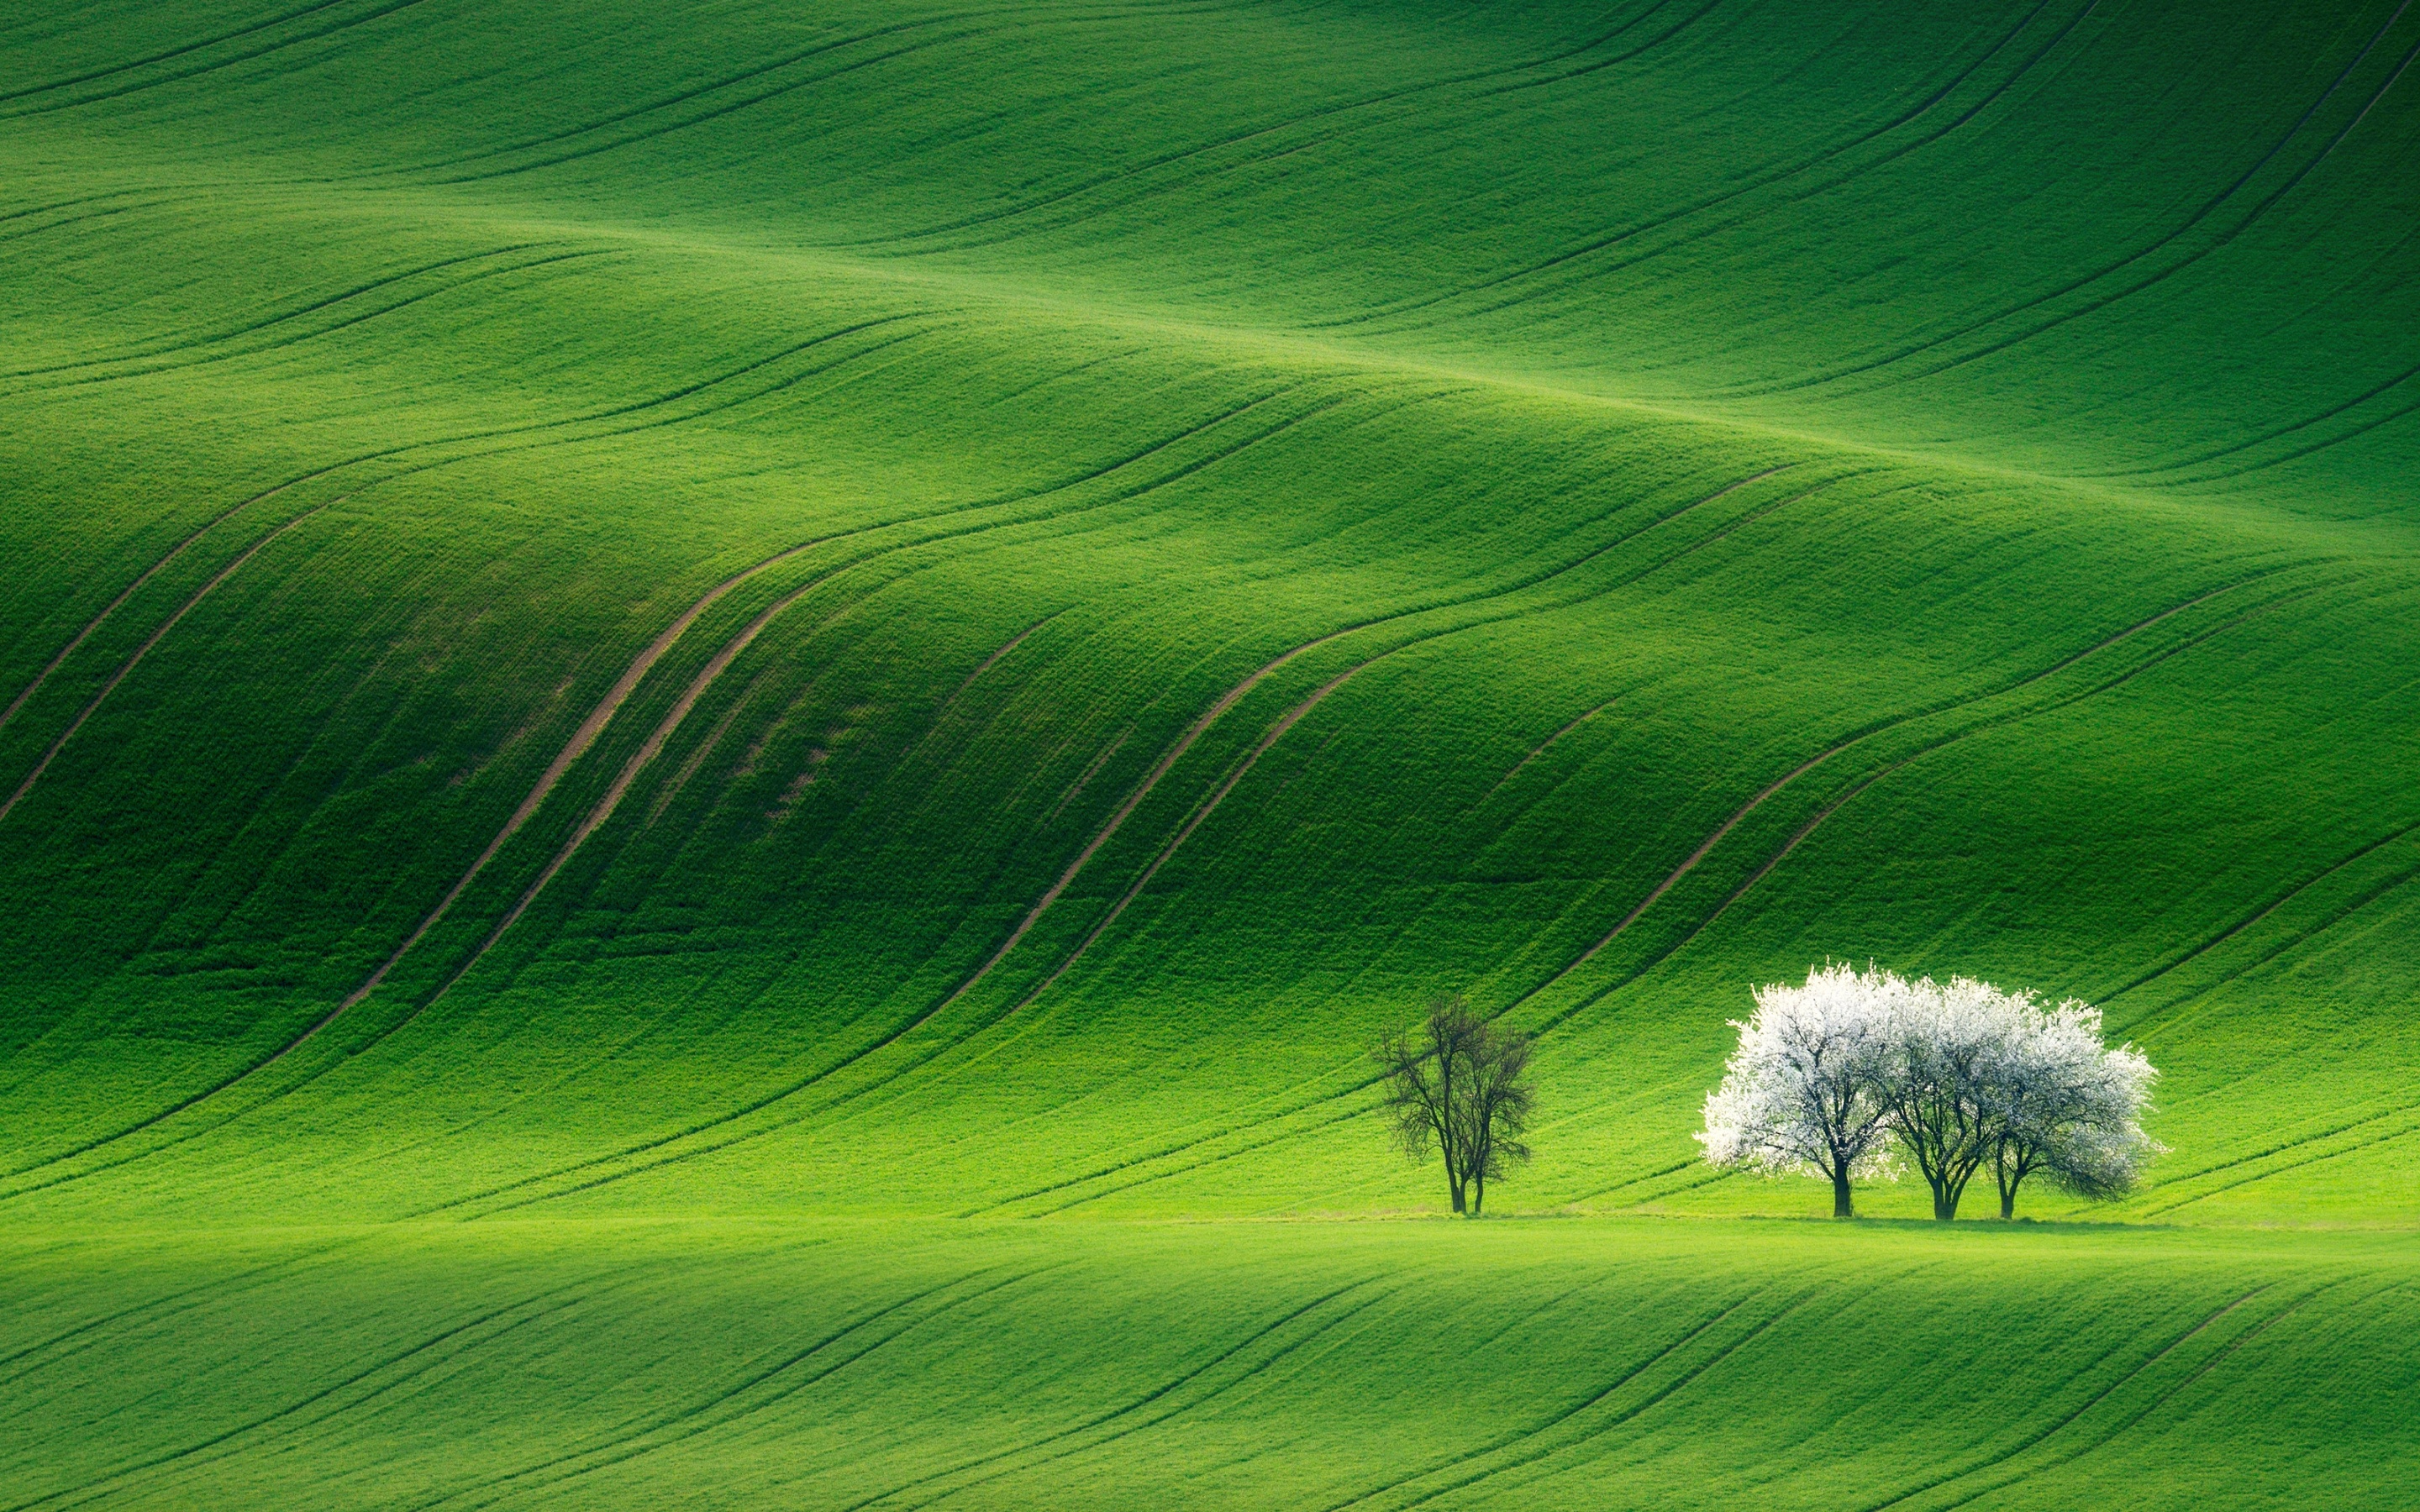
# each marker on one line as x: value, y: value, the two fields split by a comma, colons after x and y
x: 670, y: 668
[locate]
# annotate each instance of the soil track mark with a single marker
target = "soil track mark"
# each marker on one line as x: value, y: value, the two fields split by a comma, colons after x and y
x: 92, y: 1490
x: 1061, y: 485
x: 2217, y: 1358
x: 162, y: 347
x: 131, y: 590
x: 616, y: 411
x: 573, y: 748
x: 714, y: 112
x: 714, y: 669
x: 1547, y: 1424
x: 126, y: 668
x: 1366, y: 1082
x: 1169, y: 758
x: 1541, y: 747
x: 684, y: 96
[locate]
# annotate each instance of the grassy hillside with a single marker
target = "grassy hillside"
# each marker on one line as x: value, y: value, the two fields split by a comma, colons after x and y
x: 642, y: 636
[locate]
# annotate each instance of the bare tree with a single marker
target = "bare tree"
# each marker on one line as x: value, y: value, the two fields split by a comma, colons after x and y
x: 1495, y: 1109
x: 1458, y: 1085
x: 1802, y: 1093
x: 1424, y: 1066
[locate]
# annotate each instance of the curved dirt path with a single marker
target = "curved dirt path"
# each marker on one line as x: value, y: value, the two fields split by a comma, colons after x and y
x: 573, y: 748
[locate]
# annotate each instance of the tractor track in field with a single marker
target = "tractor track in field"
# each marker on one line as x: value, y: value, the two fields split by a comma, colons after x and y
x: 1294, y: 715
x: 2255, y: 917
x: 940, y: 715
x: 696, y: 93
x: 376, y: 13
x: 627, y: 1435
x: 96, y: 75
x: 1507, y: 1441
x: 731, y: 650
x: 2207, y: 208
x: 1201, y: 176
x: 1664, y: 888
x: 1599, y: 64
x: 2222, y: 241
x: 1815, y: 822
x: 653, y: 424
x: 127, y: 667
x: 2391, y: 885
x: 1168, y: 761
x: 1167, y: 159
x: 1252, y: 1373
x: 1858, y: 737
x: 685, y: 96
x: 315, y: 474
x: 692, y: 1421
x: 63, y: 1344
x: 1285, y: 723
x: 714, y: 112
x: 582, y: 736
x: 2364, y: 428
x: 28, y: 233
x: 2012, y: 718
x: 186, y: 364
x: 1580, y: 275
x: 2092, y: 1402
x: 164, y: 347
x: 76, y: 642
x: 1587, y: 1437
x: 2358, y: 1146
x: 1541, y: 747
x: 2377, y: 391
x: 147, y: 645
x: 1087, y: 475
x: 1138, y: 1404
x: 1519, y: 1438
x: 621, y: 787
x: 89, y: 1491
x: 2217, y: 1358
x: 1611, y: 237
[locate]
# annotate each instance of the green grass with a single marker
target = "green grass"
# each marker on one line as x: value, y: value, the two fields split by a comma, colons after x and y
x: 912, y: 1363
x: 866, y: 624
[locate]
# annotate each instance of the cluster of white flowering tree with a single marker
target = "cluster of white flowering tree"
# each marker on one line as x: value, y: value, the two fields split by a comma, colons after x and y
x: 1859, y: 1073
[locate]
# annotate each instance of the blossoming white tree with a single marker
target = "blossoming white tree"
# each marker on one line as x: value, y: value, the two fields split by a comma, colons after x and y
x: 1944, y: 1047
x: 2067, y: 1105
x: 1958, y: 1076
x: 1801, y: 1093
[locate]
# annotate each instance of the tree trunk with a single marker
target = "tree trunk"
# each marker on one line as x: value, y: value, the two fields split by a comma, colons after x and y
x: 1944, y: 1203
x: 1455, y: 1182
x: 2007, y: 1204
x: 1840, y: 1204
x: 1478, y: 1194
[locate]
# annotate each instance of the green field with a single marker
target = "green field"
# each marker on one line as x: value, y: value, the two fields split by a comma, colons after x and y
x: 725, y: 722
